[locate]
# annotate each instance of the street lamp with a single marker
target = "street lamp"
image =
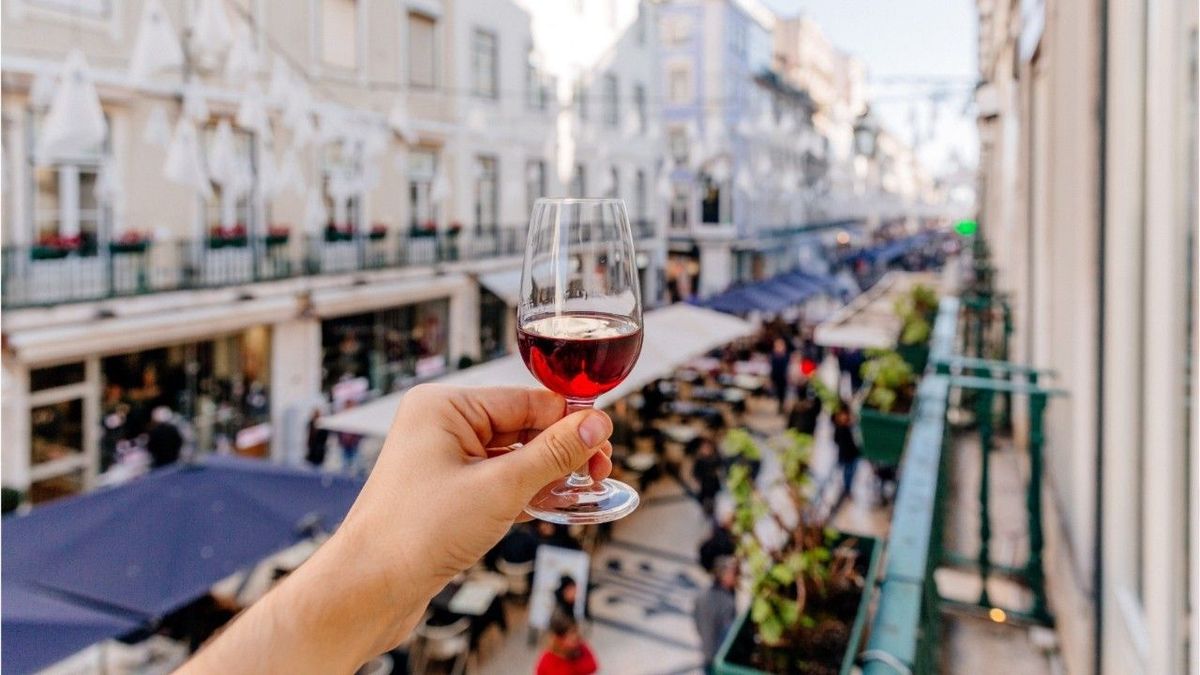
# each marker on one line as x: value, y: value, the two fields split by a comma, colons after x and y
x: 865, y: 132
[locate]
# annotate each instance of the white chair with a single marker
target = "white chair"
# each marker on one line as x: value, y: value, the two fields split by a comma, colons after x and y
x: 442, y: 643
x: 517, y: 575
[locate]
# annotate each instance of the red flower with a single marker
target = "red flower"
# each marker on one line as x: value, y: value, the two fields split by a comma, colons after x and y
x: 378, y: 228
x: 456, y: 226
x: 279, y: 230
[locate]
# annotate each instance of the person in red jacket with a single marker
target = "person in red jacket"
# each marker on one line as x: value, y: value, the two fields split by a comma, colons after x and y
x: 567, y: 653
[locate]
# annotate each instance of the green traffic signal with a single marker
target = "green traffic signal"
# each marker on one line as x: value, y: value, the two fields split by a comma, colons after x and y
x: 966, y: 228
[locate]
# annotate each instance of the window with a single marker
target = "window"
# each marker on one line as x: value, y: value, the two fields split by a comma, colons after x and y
x: 535, y: 182
x: 339, y: 33
x: 483, y: 64
x: 639, y: 106
x: 639, y: 196
x: 677, y: 139
x: 679, y: 83
x: 679, y: 205
x: 676, y: 30
x: 487, y: 207
x: 225, y: 209
x: 581, y: 102
x: 340, y: 164
x: 535, y: 83
x: 64, y: 200
x: 612, y: 100
x: 422, y: 165
x: 614, y: 182
x: 422, y: 50
x: 579, y: 181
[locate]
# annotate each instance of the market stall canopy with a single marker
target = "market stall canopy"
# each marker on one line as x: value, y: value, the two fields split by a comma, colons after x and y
x: 506, y: 285
x: 869, y: 321
x: 673, y: 335
x: 774, y: 295
x: 41, y: 629
x: 143, y: 549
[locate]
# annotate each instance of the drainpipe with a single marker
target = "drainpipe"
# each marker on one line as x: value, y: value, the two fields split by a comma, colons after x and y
x: 1102, y: 226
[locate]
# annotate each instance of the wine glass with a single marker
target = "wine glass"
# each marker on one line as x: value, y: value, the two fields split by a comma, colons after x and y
x: 579, y: 329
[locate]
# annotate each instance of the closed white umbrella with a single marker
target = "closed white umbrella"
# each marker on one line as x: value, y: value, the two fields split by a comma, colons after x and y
x: 41, y: 90
x: 157, y: 131
x: 212, y: 34
x: 194, y: 105
x: 251, y: 112
x: 244, y: 62
x: 156, y: 48
x: 75, y: 123
x: 401, y: 123
x: 184, y: 163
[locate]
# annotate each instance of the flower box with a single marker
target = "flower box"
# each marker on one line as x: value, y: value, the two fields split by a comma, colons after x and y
x: 883, y: 435
x: 377, y: 234
x: 129, y: 246
x: 41, y: 252
x: 742, y: 648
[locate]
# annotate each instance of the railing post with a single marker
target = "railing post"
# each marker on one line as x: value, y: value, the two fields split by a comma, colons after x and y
x: 1033, y: 567
x: 984, y: 413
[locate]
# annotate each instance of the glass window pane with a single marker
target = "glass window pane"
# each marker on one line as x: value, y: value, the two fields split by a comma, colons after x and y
x: 56, y: 376
x: 483, y: 63
x: 57, y: 431
x: 612, y: 102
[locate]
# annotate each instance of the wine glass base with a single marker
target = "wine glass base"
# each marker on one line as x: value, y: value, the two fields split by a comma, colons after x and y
x: 600, y: 502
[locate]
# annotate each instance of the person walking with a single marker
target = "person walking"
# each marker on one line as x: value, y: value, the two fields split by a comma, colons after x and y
x: 706, y: 471
x: 163, y: 440
x: 716, y: 609
x: 780, y: 360
x: 317, y: 441
x: 848, y: 452
x: 567, y: 653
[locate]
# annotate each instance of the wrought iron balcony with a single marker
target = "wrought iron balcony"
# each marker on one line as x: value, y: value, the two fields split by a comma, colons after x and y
x: 36, y: 276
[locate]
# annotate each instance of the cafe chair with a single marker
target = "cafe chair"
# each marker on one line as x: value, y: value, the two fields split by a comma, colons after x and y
x: 440, y: 644
x: 517, y: 576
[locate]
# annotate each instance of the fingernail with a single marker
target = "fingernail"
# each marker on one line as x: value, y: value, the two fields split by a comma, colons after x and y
x: 593, y: 430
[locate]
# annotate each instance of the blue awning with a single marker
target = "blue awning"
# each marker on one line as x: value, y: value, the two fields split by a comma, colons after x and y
x: 145, y: 548
x: 40, y: 629
x: 773, y: 295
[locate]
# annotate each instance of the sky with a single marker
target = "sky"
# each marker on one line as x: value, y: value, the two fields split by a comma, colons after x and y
x: 900, y: 40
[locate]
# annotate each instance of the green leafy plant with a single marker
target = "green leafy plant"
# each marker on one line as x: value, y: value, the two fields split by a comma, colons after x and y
x: 916, y: 310
x: 891, y: 380
x: 829, y: 398
x: 784, y: 547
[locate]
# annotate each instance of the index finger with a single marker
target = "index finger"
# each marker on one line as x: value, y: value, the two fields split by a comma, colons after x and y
x: 503, y: 411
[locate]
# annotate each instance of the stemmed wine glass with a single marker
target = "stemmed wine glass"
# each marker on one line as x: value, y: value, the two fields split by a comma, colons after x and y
x: 579, y: 328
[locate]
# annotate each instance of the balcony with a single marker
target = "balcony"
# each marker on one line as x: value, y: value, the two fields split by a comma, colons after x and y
x: 37, y: 276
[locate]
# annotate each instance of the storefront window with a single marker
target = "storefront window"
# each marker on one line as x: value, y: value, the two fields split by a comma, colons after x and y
x: 57, y: 431
x: 390, y: 349
x: 56, y: 376
x: 493, y: 324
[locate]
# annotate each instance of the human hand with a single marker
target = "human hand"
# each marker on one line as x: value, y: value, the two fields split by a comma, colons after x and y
x: 444, y: 491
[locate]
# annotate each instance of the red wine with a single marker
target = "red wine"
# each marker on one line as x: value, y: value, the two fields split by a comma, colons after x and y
x: 580, y: 355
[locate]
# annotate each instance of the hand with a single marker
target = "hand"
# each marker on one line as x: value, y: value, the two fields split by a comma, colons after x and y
x: 445, y: 490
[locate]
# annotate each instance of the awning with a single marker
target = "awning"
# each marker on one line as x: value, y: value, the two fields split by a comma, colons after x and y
x: 673, y: 335
x: 41, y: 629
x: 870, y: 321
x: 773, y: 295
x: 506, y: 285
x: 145, y: 548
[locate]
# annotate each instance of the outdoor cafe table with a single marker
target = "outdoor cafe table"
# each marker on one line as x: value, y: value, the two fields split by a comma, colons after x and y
x: 475, y: 598
x: 680, y: 433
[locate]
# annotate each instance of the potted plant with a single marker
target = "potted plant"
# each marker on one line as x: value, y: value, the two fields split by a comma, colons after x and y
x: 130, y: 241
x: 809, y: 584
x: 425, y: 229
x: 278, y: 235
x: 231, y: 237
x: 885, y: 415
x: 455, y: 229
x: 53, y: 246
x: 335, y: 232
x: 378, y: 232
x: 916, y: 310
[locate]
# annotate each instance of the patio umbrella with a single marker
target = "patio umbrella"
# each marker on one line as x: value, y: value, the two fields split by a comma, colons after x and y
x: 148, y: 547
x: 41, y: 629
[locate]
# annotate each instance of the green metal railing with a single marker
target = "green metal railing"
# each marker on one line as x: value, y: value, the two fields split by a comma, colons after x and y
x: 907, y: 626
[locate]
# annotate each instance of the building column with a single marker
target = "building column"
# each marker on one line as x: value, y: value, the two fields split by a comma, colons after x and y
x: 296, y: 360
x: 464, y: 324
x: 716, y: 266
x: 14, y: 424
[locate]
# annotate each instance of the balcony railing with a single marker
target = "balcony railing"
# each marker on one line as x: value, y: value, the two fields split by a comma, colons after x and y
x: 41, y: 276
x: 906, y: 632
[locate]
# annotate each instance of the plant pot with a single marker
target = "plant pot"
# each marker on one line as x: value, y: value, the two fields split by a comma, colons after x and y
x: 277, y: 239
x: 49, y: 253
x: 418, y: 232
x: 734, y: 656
x: 377, y: 236
x: 915, y: 356
x: 883, y: 435
x: 128, y: 247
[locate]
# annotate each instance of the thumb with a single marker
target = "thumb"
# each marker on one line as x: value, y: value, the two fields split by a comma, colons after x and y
x: 561, y: 448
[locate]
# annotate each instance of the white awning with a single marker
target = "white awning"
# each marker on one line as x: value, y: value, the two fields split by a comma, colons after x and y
x: 869, y: 321
x: 673, y: 335
x: 505, y: 284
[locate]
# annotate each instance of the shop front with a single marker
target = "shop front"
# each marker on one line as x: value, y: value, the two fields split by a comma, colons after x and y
x: 384, y: 350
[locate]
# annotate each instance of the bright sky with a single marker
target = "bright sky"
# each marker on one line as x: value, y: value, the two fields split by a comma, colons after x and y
x: 920, y: 39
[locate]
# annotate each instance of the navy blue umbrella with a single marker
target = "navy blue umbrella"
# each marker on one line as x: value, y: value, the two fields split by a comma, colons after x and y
x: 150, y: 546
x: 40, y: 629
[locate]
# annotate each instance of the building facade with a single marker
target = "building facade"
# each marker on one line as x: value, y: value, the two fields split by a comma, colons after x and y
x: 346, y: 218
x: 1087, y: 121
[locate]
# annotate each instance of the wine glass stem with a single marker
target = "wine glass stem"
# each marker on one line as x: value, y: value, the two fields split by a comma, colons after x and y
x: 580, y: 477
